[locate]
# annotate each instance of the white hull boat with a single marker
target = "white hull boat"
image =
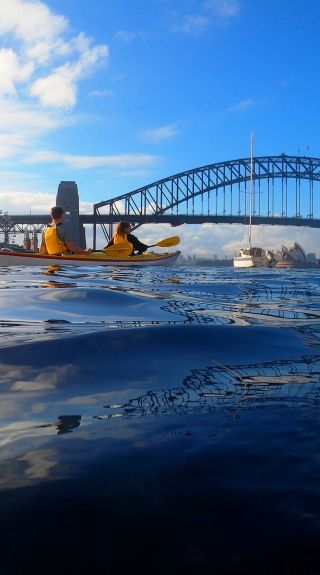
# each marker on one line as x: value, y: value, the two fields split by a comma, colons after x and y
x: 251, y: 257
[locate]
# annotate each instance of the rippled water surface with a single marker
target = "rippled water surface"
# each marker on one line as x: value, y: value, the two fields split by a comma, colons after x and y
x: 159, y: 420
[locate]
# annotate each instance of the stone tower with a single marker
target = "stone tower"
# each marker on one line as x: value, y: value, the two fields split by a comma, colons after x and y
x: 68, y: 199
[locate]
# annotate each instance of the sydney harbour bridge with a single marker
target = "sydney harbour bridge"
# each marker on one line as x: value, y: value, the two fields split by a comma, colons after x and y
x: 276, y: 190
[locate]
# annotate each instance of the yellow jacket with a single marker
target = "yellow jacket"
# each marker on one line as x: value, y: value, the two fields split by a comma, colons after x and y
x: 54, y: 244
x: 122, y: 240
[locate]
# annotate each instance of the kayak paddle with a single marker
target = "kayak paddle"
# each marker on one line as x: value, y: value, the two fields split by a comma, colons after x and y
x: 167, y: 243
x: 121, y: 247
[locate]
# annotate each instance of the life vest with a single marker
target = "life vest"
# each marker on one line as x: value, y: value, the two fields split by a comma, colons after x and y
x: 53, y: 243
x: 117, y: 239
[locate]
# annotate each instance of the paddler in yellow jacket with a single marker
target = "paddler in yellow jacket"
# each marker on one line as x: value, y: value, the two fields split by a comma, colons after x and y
x: 55, y: 238
x: 122, y: 236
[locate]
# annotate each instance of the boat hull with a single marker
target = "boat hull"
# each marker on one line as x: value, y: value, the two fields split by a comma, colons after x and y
x: 243, y: 262
x: 253, y: 258
x: 95, y: 259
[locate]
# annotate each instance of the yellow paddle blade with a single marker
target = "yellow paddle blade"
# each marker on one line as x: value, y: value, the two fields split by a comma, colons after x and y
x: 173, y: 241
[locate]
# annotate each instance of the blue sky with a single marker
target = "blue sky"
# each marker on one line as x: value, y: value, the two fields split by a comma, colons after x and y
x: 117, y: 94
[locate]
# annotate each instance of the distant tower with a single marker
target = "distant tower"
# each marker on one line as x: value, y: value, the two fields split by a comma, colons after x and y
x: 68, y: 199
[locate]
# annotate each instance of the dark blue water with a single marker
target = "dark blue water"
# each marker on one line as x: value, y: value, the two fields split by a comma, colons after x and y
x: 160, y: 421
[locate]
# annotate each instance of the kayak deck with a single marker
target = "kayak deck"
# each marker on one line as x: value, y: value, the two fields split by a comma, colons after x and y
x: 9, y: 258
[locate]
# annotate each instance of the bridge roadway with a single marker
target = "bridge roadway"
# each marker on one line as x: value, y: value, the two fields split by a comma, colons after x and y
x: 174, y: 220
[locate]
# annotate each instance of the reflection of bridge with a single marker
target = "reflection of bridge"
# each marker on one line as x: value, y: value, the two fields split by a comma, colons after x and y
x: 224, y: 388
x: 285, y: 193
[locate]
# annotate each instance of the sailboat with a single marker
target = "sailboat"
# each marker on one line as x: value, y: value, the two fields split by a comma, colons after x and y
x: 249, y: 257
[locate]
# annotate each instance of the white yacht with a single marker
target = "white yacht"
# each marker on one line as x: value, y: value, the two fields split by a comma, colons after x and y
x: 250, y: 257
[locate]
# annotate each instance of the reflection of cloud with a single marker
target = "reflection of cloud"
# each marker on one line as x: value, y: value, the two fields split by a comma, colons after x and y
x: 20, y: 430
x: 231, y: 388
x: 26, y: 378
x: 40, y: 463
x: 29, y: 469
x: 66, y: 423
x: 8, y: 407
x: 47, y: 379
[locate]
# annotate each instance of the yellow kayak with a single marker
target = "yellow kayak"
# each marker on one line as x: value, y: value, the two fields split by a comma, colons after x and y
x: 11, y: 258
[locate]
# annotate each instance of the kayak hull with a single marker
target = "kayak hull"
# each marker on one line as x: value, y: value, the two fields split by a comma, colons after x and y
x: 96, y: 259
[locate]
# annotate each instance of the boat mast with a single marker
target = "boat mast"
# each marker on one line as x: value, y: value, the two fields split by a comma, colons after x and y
x: 251, y: 190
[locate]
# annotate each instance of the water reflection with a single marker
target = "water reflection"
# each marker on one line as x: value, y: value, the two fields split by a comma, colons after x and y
x: 55, y: 284
x: 232, y: 388
x: 207, y: 297
x: 66, y: 423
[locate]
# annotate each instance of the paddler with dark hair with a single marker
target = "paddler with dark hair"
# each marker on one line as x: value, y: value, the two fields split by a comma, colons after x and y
x: 56, y: 239
x: 123, y: 236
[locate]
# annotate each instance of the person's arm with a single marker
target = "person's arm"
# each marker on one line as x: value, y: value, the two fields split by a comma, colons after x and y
x: 137, y: 245
x: 71, y: 244
x: 72, y: 247
x: 109, y: 244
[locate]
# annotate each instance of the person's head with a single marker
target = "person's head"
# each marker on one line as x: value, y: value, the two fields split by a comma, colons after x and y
x: 57, y: 213
x: 123, y: 228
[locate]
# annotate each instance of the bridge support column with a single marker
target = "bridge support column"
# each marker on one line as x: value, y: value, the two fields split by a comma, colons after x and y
x: 68, y: 199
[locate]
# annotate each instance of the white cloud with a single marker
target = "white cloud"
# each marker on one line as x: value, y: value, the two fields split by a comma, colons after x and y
x: 225, y: 240
x: 223, y: 8
x: 21, y: 124
x: 35, y: 38
x: 159, y: 134
x: 17, y: 199
x: 242, y: 105
x: 101, y: 93
x: 57, y: 90
x: 218, y: 12
x: 30, y: 21
x: 88, y: 162
x: 12, y: 71
x: 40, y: 38
x: 43, y: 51
x: 16, y: 116
x: 125, y: 37
x: 24, y: 194
x: 191, y: 24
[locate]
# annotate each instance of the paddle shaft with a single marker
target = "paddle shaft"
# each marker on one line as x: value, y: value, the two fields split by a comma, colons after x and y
x: 168, y: 242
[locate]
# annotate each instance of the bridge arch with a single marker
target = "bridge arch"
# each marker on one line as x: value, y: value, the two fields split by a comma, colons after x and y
x: 285, y: 192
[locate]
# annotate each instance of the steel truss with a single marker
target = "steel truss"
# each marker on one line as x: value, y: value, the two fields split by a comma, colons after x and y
x: 9, y: 227
x: 284, y: 193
